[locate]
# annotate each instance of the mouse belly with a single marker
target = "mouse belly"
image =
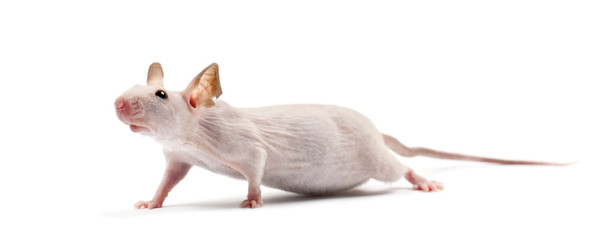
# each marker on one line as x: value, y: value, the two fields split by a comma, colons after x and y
x: 313, y: 178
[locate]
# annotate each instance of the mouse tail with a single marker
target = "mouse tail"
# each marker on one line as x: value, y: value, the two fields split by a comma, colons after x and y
x: 405, y: 151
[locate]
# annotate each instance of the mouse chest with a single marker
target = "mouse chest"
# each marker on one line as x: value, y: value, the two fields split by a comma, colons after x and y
x: 197, y: 158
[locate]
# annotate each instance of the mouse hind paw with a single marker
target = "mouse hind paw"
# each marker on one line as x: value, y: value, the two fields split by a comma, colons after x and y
x: 422, y: 184
x: 429, y: 186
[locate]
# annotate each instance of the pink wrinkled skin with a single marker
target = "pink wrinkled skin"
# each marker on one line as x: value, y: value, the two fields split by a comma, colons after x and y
x: 306, y: 149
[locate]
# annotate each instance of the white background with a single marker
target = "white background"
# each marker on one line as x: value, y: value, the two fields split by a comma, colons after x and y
x: 510, y: 79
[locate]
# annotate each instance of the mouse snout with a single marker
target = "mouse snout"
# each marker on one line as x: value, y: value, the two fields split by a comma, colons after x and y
x: 128, y: 107
x: 119, y: 104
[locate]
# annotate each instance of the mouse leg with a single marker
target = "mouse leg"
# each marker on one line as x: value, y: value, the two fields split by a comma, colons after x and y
x: 174, y: 173
x: 253, y: 199
x: 254, y: 176
x: 389, y: 169
x: 251, y: 167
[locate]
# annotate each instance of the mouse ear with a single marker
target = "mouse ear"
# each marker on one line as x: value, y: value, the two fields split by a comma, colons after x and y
x: 155, y: 75
x: 204, y: 87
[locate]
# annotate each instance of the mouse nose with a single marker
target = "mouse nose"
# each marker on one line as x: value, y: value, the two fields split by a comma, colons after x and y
x: 120, y: 104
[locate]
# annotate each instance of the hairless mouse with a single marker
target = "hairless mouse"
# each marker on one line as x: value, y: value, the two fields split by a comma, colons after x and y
x: 305, y: 149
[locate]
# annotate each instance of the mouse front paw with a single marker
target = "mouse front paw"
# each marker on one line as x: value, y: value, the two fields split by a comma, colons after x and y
x: 148, y: 204
x: 252, y: 203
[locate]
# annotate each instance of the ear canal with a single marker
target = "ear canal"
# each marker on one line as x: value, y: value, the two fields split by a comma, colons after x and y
x: 155, y: 75
x: 204, y: 87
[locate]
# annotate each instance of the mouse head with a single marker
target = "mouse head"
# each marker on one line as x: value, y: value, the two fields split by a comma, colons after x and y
x: 152, y: 110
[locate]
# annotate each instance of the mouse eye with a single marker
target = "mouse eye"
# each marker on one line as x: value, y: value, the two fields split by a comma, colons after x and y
x: 162, y: 94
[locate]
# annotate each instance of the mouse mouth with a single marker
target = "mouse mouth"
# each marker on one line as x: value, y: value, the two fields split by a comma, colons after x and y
x: 133, y: 125
x: 136, y: 128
